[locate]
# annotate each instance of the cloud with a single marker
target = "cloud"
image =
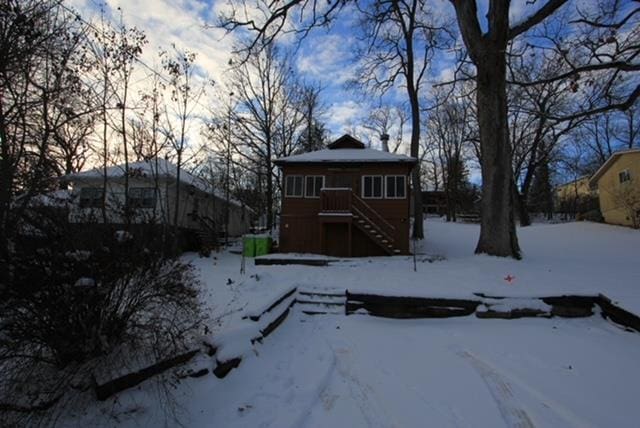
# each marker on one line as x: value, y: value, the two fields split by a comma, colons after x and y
x: 344, y: 115
x: 328, y: 57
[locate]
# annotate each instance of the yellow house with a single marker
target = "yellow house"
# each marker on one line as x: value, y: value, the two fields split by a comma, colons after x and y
x: 574, y: 189
x: 618, y: 184
x: 575, y: 198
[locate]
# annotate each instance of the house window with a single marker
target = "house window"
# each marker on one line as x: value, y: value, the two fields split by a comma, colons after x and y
x: 91, y: 197
x: 313, y: 186
x: 372, y: 186
x: 395, y: 186
x: 294, y: 186
x: 624, y: 176
x: 142, y: 197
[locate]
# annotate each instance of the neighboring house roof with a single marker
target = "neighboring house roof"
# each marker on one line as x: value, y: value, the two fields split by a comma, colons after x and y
x: 572, y: 182
x: 355, y: 153
x: 147, y: 169
x: 593, y: 181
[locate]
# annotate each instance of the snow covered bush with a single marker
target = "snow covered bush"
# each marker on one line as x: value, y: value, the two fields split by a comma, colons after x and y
x: 67, y: 311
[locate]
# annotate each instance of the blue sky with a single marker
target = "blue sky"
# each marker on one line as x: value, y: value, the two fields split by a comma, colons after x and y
x: 326, y: 57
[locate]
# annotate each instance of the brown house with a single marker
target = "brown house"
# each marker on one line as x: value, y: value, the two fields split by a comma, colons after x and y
x: 346, y: 201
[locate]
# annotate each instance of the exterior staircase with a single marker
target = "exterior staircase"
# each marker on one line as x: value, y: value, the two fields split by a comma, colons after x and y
x: 320, y: 302
x: 365, y: 218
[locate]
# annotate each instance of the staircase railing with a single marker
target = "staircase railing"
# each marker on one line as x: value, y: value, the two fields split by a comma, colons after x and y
x: 344, y: 200
x: 373, y: 216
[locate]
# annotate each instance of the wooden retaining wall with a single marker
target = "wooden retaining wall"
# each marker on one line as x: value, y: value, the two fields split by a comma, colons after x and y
x: 564, y: 306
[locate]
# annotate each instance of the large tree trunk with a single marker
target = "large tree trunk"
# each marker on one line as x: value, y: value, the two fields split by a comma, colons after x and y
x: 498, y: 230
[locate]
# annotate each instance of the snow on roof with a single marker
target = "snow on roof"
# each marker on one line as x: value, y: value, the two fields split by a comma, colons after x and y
x: 144, y: 169
x: 346, y: 155
x: 593, y: 181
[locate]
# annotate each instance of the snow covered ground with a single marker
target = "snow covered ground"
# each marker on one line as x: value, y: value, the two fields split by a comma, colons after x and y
x: 566, y: 258
x: 361, y: 371
x: 334, y: 370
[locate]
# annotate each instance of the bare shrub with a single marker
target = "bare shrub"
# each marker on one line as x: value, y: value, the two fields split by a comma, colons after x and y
x: 72, y: 315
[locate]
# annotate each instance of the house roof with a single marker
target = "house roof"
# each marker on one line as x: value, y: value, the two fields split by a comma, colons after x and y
x: 346, y: 149
x: 147, y: 169
x: 593, y: 181
x: 568, y: 183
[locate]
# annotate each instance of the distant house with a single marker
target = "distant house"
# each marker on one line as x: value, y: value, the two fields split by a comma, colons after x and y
x: 153, y: 189
x: 347, y: 200
x: 618, y: 185
x: 575, y: 197
x: 434, y: 202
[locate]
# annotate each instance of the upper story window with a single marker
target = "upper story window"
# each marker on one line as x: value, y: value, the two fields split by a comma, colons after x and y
x: 91, y: 197
x: 313, y: 185
x: 624, y: 176
x: 372, y: 186
x: 395, y: 186
x: 142, y: 197
x: 294, y: 186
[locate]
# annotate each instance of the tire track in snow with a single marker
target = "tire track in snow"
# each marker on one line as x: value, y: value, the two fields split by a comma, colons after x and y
x: 509, y: 405
x: 510, y: 409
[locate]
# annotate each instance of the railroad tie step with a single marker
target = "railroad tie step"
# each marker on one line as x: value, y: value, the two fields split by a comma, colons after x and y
x: 327, y: 293
x: 320, y: 302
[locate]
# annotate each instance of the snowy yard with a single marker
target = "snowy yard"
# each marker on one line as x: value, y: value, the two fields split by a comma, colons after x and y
x: 569, y: 258
x: 369, y: 372
x: 336, y: 370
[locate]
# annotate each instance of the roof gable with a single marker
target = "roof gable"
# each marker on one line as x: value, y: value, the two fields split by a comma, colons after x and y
x: 346, y: 142
x: 593, y: 181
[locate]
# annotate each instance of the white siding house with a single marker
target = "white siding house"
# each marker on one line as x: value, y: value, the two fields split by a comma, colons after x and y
x: 153, y: 189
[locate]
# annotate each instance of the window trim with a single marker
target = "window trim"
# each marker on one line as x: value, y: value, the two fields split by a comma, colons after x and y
x: 382, y: 188
x: 404, y: 178
x: 626, y: 173
x: 286, y: 186
x: 306, y: 188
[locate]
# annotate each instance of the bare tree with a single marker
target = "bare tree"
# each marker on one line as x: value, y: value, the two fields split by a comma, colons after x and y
x: 450, y: 132
x: 313, y: 136
x: 268, y: 119
x: 385, y: 121
x: 39, y: 84
x: 401, y: 39
x: 185, y: 94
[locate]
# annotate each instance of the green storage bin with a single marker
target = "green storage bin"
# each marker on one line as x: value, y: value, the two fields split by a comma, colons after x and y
x: 249, y: 246
x: 263, y: 245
